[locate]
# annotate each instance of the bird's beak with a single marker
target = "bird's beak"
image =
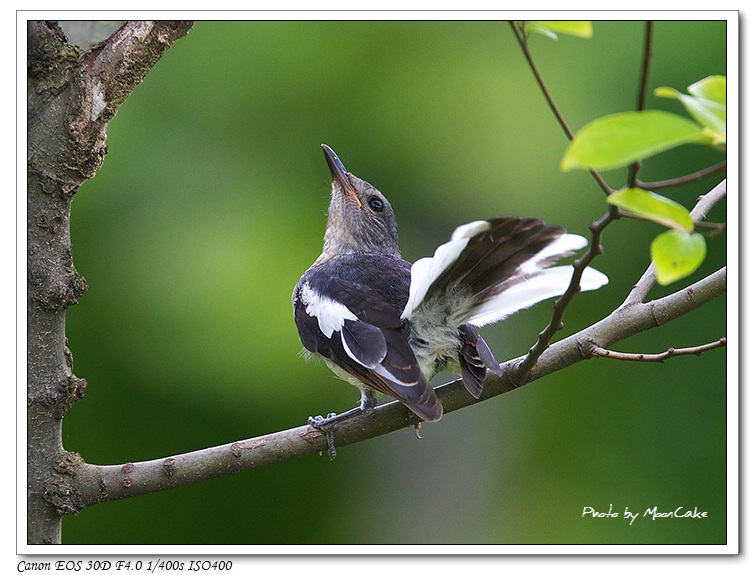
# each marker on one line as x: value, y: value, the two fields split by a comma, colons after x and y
x: 339, y: 174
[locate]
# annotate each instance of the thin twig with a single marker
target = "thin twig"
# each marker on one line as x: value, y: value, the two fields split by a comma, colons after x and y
x: 715, y: 228
x: 689, y: 178
x: 598, y: 351
x: 521, y: 36
x: 522, y: 39
x: 647, y: 53
x: 647, y: 56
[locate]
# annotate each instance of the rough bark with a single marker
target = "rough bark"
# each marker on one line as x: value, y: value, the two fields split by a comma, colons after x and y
x: 71, y: 96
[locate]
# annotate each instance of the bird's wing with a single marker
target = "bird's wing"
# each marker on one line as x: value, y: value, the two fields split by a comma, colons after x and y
x: 360, y: 330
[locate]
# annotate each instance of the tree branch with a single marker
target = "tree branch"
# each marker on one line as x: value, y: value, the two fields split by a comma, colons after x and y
x: 658, y: 357
x: 689, y: 178
x: 99, y: 483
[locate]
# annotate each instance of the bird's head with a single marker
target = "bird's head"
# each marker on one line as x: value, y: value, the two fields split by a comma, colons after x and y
x: 360, y: 218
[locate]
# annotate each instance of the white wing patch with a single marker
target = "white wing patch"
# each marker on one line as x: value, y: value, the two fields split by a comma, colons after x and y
x: 426, y: 270
x: 330, y: 318
x: 329, y: 313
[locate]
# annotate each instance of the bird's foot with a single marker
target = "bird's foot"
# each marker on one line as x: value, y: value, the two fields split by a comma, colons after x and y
x: 325, y: 424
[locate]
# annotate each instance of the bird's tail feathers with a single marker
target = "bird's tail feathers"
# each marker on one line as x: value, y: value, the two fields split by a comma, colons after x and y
x: 548, y: 283
x: 496, y: 267
x: 475, y: 359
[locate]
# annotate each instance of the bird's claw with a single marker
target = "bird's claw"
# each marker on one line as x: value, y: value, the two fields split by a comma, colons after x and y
x: 325, y: 424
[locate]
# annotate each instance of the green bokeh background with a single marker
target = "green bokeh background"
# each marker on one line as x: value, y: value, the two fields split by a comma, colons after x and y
x: 211, y: 203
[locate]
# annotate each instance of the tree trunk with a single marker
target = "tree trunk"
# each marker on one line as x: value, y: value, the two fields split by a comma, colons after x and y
x: 71, y: 97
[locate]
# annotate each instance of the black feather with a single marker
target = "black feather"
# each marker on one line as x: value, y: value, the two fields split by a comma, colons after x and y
x: 375, y: 289
x: 475, y: 358
x: 366, y: 342
x: 491, y: 259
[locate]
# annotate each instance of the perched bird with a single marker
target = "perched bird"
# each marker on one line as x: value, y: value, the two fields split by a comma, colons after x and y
x: 384, y: 324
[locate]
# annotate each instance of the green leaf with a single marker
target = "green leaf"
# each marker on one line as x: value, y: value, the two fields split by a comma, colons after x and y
x: 653, y: 207
x: 676, y: 255
x: 707, y: 103
x: 621, y: 139
x: 712, y: 88
x: 550, y: 28
x: 537, y: 28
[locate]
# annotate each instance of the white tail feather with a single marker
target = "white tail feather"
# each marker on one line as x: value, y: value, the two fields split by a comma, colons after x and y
x: 566, y: 244
x: 549, y: 283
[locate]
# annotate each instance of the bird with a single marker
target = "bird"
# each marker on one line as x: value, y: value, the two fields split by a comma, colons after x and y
x: 386, y: 325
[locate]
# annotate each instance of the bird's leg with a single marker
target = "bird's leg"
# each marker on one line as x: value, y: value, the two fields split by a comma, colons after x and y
x: 325, y: 424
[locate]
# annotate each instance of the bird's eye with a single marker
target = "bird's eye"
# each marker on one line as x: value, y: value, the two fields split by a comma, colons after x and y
x: 376, y: 204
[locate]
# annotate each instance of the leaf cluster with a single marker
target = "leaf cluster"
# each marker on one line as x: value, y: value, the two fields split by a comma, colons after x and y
x: 625, y: 139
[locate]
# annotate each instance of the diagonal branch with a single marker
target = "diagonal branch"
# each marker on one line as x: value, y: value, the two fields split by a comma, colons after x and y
x: 559, y: 307
x: 521, y: 36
